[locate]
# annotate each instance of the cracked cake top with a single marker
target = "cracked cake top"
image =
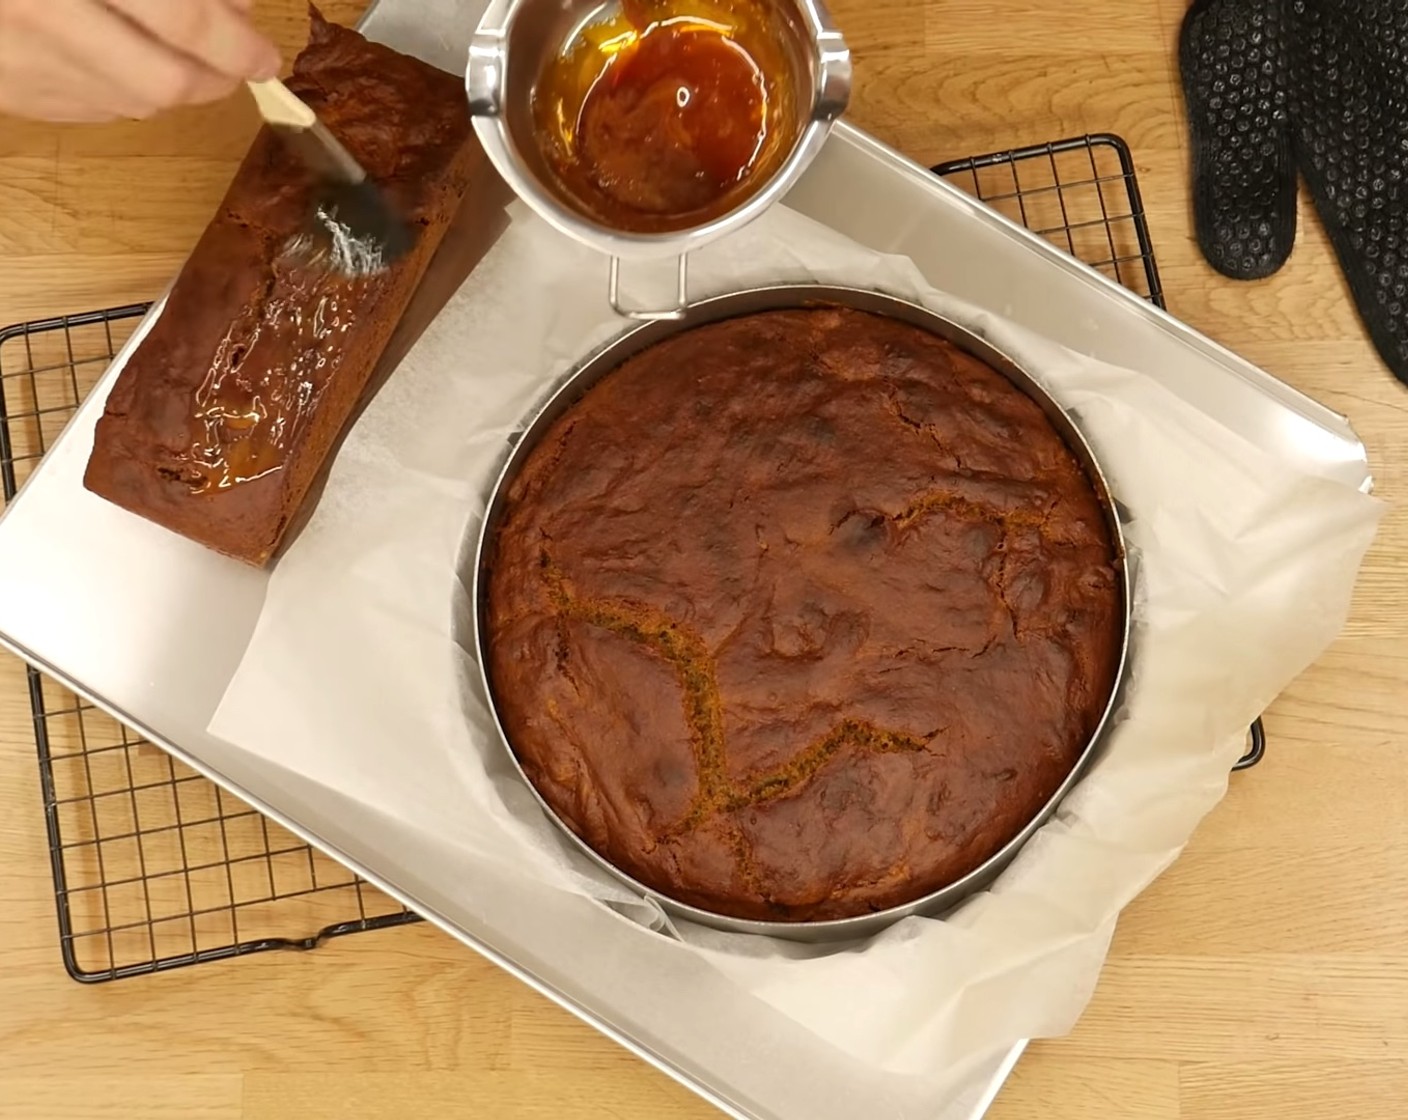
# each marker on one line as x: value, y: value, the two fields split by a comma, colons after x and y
x: 801, y: 615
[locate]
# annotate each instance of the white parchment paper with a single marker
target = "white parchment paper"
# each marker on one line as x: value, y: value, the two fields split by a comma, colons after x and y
x: 354, y: 677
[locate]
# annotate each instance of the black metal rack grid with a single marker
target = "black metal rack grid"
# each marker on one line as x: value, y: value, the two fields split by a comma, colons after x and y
x: 1082, y: 195
x: 154, y: 866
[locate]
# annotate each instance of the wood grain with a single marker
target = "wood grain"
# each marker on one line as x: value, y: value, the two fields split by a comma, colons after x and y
x: 1265, y: 974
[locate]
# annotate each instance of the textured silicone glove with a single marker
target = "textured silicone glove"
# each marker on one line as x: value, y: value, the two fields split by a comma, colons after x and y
x: 1316, y: 86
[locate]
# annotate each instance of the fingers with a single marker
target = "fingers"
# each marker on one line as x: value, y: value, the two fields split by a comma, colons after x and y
x: 41, y: 83
x: 137, y: 71
x: 96, y: 60
x: 216, y: 34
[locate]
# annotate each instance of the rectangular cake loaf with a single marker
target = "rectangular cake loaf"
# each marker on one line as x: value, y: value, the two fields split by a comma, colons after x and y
x: 221, y: 423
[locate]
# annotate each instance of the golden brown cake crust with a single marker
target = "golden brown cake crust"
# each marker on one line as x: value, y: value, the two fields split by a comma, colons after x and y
x: 802, y: 615
x: 219, y: 424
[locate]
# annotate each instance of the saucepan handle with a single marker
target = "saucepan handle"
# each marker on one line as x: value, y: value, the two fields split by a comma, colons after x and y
x: 647, y: 314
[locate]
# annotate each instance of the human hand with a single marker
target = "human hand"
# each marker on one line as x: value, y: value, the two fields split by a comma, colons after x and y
x: 102, y: 60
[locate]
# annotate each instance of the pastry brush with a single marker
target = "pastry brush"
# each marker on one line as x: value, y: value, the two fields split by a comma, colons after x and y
x: 353, y: 228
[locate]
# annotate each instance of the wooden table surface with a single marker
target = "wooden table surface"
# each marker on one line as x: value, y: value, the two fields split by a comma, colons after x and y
x: 1266, y: 974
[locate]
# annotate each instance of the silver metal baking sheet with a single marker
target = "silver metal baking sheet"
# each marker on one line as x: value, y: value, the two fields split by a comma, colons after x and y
x: 151, y: 627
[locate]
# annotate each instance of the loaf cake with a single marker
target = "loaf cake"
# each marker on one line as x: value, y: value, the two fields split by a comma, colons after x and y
x: 802, y: 615
x: 220, y: 424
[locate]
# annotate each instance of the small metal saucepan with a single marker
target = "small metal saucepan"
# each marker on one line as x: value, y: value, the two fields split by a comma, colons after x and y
x: 634, y: 341
x: 516, y: 43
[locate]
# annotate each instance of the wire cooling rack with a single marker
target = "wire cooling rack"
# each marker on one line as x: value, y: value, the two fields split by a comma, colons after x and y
x: 154, y: 866
x: 1081, y: 194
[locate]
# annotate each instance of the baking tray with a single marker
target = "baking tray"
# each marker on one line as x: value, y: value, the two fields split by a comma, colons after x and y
x: 107, y: 601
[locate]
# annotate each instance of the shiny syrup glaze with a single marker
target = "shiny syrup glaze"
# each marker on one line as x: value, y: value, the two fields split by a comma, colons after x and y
x: 674, y: 121
x: 248, y: 413
x: 663, y: 115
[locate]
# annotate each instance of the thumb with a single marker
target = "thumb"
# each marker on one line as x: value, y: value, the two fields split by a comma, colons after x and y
x: 1244, y: 176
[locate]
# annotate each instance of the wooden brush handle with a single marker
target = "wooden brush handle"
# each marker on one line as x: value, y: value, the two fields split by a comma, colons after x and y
x: 280, y: 106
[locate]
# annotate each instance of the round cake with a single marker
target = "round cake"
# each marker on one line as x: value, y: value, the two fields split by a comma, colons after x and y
x: 801, y: 615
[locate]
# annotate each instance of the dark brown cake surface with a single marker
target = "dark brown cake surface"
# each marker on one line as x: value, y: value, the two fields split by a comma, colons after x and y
x: 802, y: 615
x: 219, y: 424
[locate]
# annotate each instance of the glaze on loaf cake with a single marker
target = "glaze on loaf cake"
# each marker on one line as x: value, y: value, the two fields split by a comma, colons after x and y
x: 220, y: 424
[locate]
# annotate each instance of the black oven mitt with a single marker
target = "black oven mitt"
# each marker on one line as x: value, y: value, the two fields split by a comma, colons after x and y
x: 1316, y: 86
